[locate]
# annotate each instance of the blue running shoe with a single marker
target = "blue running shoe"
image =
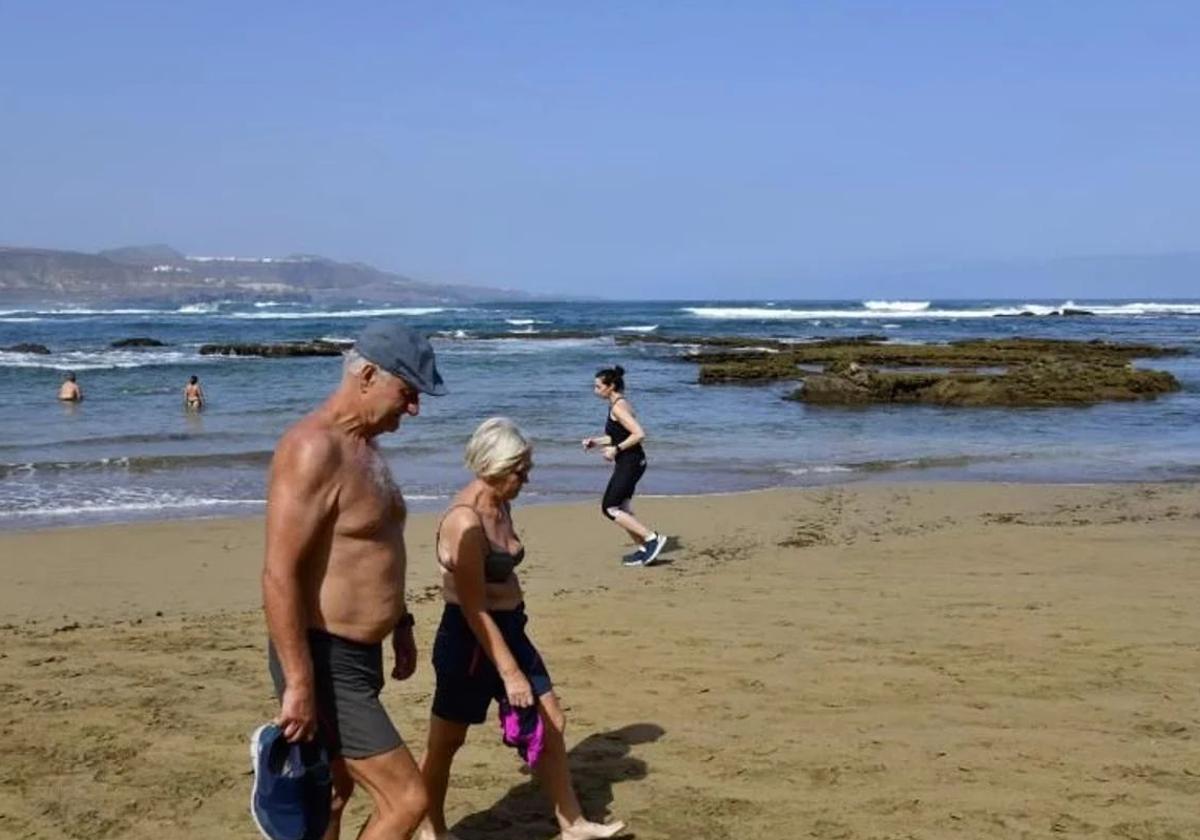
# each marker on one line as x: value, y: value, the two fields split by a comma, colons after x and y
x: 652, y: 549
x: 293, y: 786
x: 634, y: 559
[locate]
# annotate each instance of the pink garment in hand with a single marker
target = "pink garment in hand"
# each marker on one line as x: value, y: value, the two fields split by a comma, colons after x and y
x: 523, y: 729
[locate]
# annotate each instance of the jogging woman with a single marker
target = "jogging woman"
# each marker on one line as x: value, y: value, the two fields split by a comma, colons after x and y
x: 621, y: 444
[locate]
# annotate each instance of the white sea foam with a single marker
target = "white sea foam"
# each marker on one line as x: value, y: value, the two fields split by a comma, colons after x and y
x: 338, y: 313
x: 1149, y: 308
x: 755, y: 313
x: 820, y: 469
x: 518, y: 345
x: 895, y: 310
x: 525, y: 322
x: 896, y: 305
x: 199, y: 308
x: 99, y: 359
x: 77, y: 311
x: 74, y: 508
x: 639, y: 328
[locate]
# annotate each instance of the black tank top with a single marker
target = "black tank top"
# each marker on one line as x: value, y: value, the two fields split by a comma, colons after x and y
x: 618, y: 434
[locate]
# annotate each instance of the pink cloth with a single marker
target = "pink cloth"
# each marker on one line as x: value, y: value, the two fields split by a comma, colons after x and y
x: 523, y: 729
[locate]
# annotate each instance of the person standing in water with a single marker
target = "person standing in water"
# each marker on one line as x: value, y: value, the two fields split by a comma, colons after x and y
x: 193, y: 394
x: 621, y: 443
x: 70, y: 391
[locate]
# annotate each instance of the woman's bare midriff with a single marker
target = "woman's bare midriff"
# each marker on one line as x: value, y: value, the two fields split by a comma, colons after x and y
x: 498, y: 596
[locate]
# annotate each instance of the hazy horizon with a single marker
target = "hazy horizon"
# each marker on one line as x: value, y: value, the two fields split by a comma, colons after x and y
x: 695, y: 150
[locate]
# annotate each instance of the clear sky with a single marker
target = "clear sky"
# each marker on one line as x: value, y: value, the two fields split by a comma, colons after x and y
x: 627, y: 149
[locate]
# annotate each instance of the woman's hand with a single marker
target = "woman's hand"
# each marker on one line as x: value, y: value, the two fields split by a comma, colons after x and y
x: 518, y: 690
x: 588, y: 443
x: 610, y: 453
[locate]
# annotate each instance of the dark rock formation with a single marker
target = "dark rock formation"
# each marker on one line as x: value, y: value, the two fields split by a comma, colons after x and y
x: 40, y: 349
x: 284, y: 349
x: 1002, y: 372
x: 767, y: 365
x: 1045, y: 382
x: 137, y: 341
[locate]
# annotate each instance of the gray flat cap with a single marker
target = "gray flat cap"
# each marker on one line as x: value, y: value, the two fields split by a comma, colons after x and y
x: 402, y: 351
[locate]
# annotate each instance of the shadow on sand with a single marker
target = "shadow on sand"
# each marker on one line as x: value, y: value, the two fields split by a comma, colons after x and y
x: 597, y: 763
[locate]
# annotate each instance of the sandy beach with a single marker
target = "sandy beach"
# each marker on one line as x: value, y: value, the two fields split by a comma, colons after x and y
x: 873, y: 661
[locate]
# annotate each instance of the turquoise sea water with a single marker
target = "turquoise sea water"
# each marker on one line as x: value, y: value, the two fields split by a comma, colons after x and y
x: 129, y: 451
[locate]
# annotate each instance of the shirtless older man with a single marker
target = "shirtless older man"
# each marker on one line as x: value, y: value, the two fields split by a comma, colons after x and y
x: 333, y: 577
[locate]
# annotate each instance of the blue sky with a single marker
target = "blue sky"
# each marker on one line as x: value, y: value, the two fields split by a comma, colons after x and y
x: 623, y: 149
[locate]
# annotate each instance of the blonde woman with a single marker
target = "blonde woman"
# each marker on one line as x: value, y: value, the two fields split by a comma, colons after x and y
x: 482, y: 652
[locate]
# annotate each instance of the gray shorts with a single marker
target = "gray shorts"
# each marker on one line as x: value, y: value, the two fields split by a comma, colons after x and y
x: 348, y: 675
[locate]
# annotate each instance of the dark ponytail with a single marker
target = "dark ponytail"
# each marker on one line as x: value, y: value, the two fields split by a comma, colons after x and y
x: 614, y: 376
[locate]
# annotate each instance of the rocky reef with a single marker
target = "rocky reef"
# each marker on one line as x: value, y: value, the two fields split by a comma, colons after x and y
x: 287, y: 348
x: 137, y: 341
x: 978, y: 372
x: 1042, y: 382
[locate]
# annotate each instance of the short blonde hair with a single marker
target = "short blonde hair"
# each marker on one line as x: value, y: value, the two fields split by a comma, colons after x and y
x: 496, y: 448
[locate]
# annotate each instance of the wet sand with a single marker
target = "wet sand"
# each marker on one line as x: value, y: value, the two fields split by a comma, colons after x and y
x: 884, y: 661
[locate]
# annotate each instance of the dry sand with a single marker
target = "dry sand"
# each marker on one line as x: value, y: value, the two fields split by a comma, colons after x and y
x: 968, y: 661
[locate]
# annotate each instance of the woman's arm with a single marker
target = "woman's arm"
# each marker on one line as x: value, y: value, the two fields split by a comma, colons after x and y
x: 599, y: 440
x: 464, y: 532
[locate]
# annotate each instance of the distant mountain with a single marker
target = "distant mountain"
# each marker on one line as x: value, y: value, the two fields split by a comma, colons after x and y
x: 160, y: 275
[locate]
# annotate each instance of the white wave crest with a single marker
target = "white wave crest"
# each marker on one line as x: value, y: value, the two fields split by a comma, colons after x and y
x: 896, y: 305
x: 338, y: 313
x: 636, y: 328
x: 98, y: 359
x: 755, y: 313
x: 820, y: 469
x: 132, y: 506
x: 80, y: 311
x: 199, y: 308
x: 525, y: 322
x: 1148, y: 308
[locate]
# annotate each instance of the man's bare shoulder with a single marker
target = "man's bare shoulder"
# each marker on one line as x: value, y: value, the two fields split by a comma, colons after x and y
x: 308, y: 447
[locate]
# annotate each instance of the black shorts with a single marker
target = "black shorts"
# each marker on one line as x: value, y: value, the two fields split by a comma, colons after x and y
x: 627, y: 471
x: 467, y: 681
x: 348, y: 676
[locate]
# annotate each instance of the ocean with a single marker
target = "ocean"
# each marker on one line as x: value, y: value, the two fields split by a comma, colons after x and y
x: 130, y: 451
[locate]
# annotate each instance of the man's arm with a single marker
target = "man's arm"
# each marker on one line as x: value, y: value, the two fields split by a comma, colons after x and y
x: 300, y: 499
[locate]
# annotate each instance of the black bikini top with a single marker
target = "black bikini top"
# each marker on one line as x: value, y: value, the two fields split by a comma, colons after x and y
x: 498, y: 566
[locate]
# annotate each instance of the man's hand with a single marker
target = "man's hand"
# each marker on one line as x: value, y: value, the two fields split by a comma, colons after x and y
x: 405, y: 648
x: 298, y: 714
